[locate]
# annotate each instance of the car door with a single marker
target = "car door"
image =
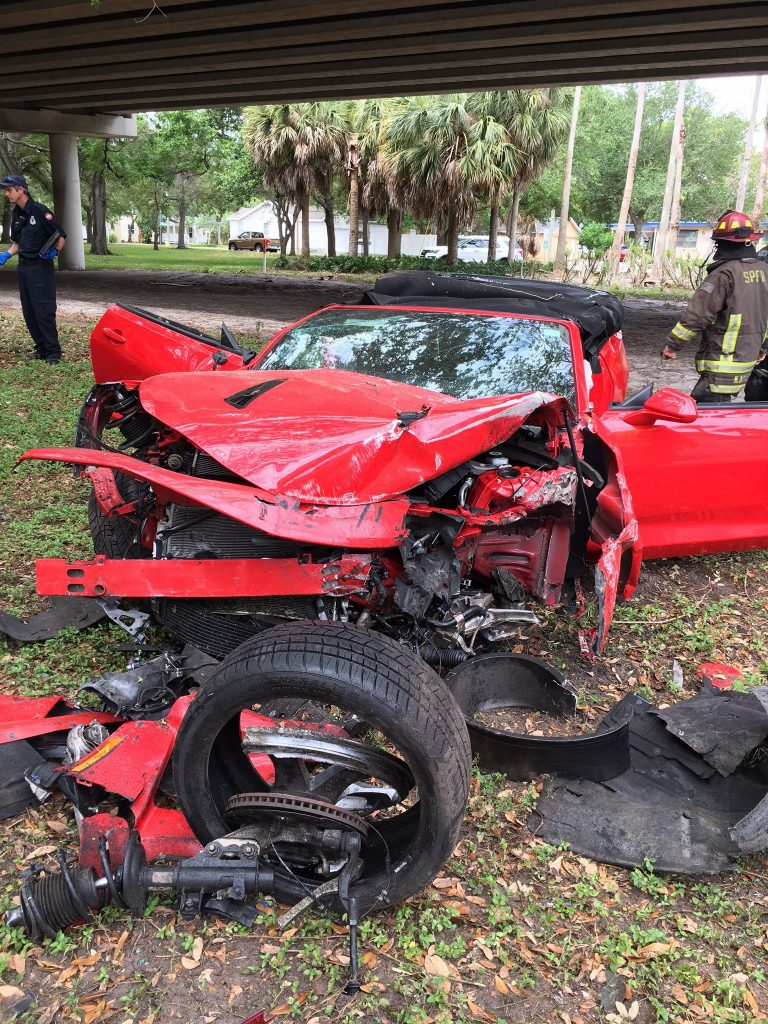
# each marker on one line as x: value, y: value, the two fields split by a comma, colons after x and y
x: 698, y: 480
x: 130, y: 344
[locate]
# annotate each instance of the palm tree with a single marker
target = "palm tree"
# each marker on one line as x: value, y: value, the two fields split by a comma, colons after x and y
x: 535, y: 121
x: 634, y: 149
x: 439, y: 154
x: 424, y: 139
x: 368, y: 185
x: 298, y: 146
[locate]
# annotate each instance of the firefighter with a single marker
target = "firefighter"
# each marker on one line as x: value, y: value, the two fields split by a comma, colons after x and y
x: 728, y: 314
x: 32, y: 227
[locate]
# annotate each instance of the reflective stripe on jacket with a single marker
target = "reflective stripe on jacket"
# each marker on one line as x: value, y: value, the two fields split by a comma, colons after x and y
x: 728, y: 317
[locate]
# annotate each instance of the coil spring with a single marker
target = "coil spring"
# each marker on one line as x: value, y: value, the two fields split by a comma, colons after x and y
x: 54, y: 902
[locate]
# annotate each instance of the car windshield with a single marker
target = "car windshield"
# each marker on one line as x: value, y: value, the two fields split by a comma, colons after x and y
x: 466, y: 355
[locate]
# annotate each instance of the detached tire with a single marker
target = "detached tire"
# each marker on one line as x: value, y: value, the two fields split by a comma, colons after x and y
x: 116, y: 537
x: 405, y: 705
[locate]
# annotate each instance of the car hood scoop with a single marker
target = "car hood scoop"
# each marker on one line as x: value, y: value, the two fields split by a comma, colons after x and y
x: 331, y: 436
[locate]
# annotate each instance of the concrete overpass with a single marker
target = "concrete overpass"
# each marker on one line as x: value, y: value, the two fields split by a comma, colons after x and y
x: 70, y: 68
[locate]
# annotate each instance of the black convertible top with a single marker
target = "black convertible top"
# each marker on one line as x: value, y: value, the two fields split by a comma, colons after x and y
x: 596, y: 313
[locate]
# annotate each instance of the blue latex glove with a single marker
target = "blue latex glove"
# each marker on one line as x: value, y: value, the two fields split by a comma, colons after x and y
x: 49, y: 254
x: 4, y: 257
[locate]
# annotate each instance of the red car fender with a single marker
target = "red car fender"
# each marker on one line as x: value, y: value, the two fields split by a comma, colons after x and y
x: 375, y: 524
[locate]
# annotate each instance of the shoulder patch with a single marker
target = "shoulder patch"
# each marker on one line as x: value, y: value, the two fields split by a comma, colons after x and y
x: 49, y: 216
x: 707, y: 286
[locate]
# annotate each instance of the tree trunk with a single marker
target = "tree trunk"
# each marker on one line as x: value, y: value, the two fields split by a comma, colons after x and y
x: 621, y: 227
x: 757, y: 213
x: 674, y: 225
x: 99, y: 213
x: 394, y: 233
x: 7, y: 214
x: 741, y: 195
x: 181, y: 241
x: 452, y: 257
x: 156, y: 223
x: 366, y: 241
x: 512, y: 225
x: 661, y: 236
x: 88, y: 221
x: 305, y: 226
x: 637, y: 215
x: 330, y: 227
x: 562, y: 235
x: 493, y: 230
x: 353, y: 170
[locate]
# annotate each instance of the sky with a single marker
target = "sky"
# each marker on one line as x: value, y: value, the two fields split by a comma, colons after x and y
x: 735, y: 94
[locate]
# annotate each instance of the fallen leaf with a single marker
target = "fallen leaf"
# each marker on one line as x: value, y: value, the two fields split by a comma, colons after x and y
x: 435, y: 965
x: 86, y: 961
x: 370, y: 959
x: 17, y: 963
x: 10, y: 992
x: 189, y: 964
x: 95, y: 1012
x: 501, y: 986
x: 234, y: 992
x: 280, y: 1011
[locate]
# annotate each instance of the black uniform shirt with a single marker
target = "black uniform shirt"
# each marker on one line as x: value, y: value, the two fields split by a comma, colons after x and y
x: 31, y: 227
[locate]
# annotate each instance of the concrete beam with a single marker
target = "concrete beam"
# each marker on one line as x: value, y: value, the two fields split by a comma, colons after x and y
x: 54, y: 122
x: 65, y: 177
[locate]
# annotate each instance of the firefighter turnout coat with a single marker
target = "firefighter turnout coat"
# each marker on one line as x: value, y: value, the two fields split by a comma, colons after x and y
x: 728, y: 317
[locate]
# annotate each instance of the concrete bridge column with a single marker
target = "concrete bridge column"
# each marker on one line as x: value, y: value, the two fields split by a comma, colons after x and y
x: 65, y: 175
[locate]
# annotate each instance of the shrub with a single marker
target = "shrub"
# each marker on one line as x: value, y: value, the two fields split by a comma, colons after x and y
x: 346, y: 264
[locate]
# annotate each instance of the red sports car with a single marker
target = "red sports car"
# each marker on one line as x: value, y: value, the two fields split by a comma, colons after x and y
x: 418, y: 462
x: 384, y: 485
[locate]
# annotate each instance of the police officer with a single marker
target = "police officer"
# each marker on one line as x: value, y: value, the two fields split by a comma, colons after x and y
x: 32, y: 226
x: 728, y: 314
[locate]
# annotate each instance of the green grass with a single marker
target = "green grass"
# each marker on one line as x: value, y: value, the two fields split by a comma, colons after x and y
x: 202, y: 259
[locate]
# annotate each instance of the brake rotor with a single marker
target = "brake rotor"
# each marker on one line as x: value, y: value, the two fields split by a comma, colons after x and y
x: 250, y: 808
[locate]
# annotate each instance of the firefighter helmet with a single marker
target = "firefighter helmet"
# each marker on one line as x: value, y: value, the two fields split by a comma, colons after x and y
x: 735, y: 226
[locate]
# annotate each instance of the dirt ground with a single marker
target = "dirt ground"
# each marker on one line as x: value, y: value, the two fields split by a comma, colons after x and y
x: 266, y: 303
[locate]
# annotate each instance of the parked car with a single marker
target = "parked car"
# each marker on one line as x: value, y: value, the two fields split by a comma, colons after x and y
x: 249, y: 240
x: 473, y: 249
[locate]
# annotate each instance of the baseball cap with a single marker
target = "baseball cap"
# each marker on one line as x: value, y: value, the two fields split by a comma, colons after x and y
x: 14, y: 181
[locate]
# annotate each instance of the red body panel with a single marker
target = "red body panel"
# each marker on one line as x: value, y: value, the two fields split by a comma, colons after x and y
x: 698, y: 487
x: 378, y: 525
x: 333, y: 437
x: 129, y: 347
x: 22, y: 718
x: 191, y: 577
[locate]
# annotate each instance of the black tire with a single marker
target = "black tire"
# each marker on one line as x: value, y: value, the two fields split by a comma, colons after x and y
x: 232, y: 247
x: 116, y: 537
x: 372, y: 678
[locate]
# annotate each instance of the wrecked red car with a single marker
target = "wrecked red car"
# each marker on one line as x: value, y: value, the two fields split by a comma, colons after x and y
x: 382, y: 488
x: 418, y: 462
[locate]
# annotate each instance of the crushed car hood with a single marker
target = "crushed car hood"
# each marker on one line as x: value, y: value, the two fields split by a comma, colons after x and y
x: 332, y: 436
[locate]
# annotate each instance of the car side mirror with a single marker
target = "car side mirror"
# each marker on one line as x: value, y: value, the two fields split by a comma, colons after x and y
x: 667, y: 404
